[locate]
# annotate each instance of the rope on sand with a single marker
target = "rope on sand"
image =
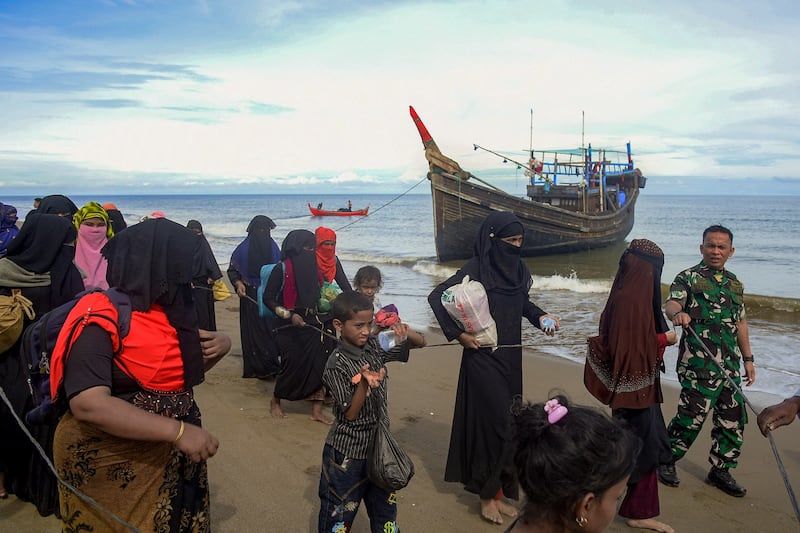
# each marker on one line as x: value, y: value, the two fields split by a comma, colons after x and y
x: 772, y: 445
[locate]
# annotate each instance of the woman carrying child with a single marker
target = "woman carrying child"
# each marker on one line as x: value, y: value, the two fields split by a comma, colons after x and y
x: 357, y: 379
x: 480, y: 450
x: 307, y: 337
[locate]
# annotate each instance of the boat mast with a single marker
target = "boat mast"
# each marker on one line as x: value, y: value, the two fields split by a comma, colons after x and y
x: 530, y: 149
x: 583, y: 128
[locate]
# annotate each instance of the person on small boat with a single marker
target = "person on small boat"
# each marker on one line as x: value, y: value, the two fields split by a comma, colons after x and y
x: 319, y: 206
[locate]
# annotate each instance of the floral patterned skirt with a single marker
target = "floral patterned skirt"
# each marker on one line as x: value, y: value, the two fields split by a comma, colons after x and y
x: 150, y: 485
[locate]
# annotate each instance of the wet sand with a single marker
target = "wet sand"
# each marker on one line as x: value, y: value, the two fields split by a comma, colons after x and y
x: 265, y: 476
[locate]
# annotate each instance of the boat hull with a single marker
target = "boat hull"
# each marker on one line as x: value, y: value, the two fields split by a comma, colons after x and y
x: 460, y: 207
x: 323, y: 213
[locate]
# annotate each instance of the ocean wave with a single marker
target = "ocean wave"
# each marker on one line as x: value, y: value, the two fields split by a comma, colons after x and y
x: 434, y: 269
x: 570, y: 283
x: 378, y: 259
x: 773, y: 307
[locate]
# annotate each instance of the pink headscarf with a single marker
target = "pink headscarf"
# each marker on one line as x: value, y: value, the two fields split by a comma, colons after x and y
x: 87, y: 256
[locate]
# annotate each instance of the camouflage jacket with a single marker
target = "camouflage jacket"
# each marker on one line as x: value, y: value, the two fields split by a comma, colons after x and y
x: 715, y: 301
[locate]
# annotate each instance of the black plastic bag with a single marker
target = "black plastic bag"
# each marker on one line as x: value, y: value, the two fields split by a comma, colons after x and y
x: 388, y: 465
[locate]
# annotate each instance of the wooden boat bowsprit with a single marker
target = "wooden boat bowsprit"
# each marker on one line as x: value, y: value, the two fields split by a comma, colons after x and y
x: 574, y: 202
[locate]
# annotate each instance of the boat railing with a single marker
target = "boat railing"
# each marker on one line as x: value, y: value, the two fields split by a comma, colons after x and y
x: 574, y: 173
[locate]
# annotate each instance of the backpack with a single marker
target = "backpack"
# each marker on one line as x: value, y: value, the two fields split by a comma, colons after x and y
x: 266, y: 271
x: 39, y: 340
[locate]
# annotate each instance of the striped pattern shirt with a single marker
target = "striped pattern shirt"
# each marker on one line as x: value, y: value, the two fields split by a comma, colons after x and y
x: 352, y: 437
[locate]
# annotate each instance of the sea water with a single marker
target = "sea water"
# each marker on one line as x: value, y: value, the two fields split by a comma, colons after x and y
x: 397, y: 237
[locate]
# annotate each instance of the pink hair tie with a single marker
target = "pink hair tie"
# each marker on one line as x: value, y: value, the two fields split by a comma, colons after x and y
x: 555, y: 411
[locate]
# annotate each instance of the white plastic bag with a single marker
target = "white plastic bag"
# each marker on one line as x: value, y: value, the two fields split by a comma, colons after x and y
x: 468, y: 305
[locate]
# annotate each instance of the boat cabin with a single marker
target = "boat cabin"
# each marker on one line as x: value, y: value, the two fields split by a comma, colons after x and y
x: 571, y: 180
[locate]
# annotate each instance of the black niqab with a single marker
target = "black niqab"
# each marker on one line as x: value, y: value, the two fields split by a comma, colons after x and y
x: 299, y: 246
x: 152, y: 262
x: 57, y: 204
x: 205, y: 264
x: 501, y: 268
x: 260, y: 248
x: 40, y: 242
x: 44, y: 244
x: 117, y: 220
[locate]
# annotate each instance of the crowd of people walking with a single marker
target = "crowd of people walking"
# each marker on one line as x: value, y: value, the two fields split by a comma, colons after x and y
x: 127, y: 392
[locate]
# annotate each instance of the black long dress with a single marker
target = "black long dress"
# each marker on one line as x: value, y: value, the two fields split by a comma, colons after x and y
x: 260, y: 358
x: 304, y: 350
x: 205, y: 267
x: 38, y: 248
x: 481, y: 448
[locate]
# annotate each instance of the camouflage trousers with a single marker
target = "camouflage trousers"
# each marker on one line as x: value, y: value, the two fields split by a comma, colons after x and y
x: 698, y: 397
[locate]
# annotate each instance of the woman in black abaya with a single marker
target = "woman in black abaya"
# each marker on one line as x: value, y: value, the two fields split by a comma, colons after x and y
x: 480, y: 453
x: 39, y: 263
x: 259, y: 351
x: 206, y: 272
x: 295, y: 285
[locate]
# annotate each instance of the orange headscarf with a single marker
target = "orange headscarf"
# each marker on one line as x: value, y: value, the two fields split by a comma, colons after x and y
x: 326, y: 253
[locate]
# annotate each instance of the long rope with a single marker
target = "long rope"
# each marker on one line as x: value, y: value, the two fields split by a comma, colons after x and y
x: 738, y: 389
x: 359, y: 219
x: 52, y: 468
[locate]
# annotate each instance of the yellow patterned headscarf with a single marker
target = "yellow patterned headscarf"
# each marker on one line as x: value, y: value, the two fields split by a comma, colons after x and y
x: 92, y: 210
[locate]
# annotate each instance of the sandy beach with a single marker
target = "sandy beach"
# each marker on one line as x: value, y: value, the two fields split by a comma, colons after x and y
x: 265, y: 476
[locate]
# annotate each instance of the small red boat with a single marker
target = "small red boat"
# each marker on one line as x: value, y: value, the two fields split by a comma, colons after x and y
x: 343, y: 212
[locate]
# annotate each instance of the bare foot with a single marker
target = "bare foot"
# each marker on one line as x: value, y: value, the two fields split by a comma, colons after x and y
x: 490, y: 512
x: 506, y: 509
x: 319, y: 417
x: 275, y: 409
x: 650, y: 523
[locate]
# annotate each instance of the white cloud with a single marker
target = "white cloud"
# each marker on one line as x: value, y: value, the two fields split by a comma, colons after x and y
x: 302, y: 90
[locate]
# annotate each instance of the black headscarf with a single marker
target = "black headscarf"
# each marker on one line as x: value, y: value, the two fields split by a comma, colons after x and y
x: 501, y: 268
x: 46, y: 244
x: 205, y: 264
x: 304, y: 263
x: 152, y: 262
x: 57, y: 204
x: 117, y: 220
x: 260, y: 249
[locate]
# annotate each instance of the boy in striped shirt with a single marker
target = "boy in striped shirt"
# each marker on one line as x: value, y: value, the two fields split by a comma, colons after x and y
x: 356, y: 377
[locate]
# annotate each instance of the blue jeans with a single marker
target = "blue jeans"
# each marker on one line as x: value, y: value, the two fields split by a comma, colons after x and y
x: 343, y: 484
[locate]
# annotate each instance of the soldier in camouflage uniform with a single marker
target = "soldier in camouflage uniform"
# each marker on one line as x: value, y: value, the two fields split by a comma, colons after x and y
x: 710, y: 299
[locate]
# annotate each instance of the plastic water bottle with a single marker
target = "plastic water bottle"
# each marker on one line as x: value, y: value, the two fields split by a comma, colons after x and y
x: 548, y: 324
x: 387, y: 339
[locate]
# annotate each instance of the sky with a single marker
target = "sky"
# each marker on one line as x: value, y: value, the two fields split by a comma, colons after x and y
x: 241, y: 96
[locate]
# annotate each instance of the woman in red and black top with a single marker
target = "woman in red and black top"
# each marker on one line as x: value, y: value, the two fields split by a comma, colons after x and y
x: 132, y: 437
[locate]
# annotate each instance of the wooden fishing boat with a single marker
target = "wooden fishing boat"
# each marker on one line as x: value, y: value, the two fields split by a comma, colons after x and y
x: 339, y: 213
x: 573, y: 203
